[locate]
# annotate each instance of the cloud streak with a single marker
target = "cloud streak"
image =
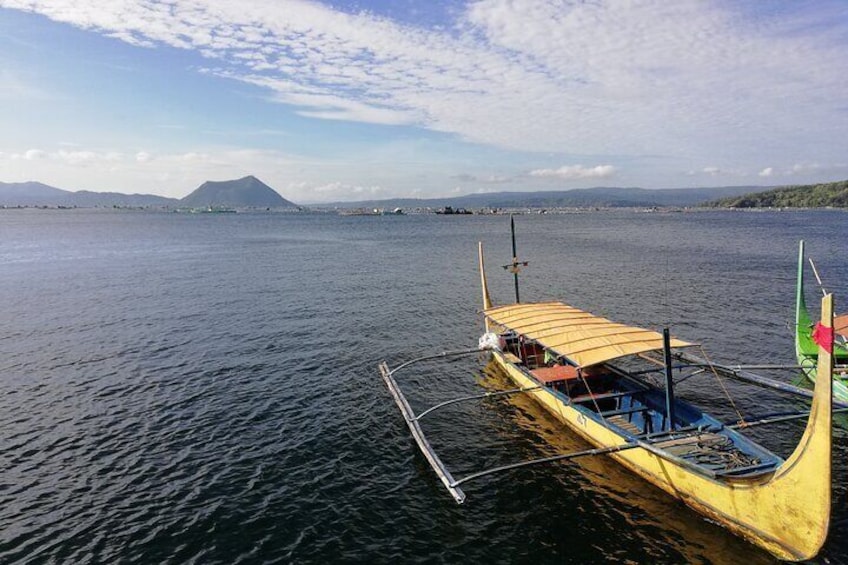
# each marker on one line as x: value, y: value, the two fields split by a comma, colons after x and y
x: 573, y: 172
x: 649, y: 92
x: 540, y: 75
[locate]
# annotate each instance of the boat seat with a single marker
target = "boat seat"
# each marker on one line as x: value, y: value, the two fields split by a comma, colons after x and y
x: 635, y: 410
x: 625, y: 425
x: 555, y: 374
x: 602, y: 396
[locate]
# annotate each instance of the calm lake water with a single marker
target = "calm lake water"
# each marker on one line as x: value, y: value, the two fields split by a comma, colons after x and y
x: 204, y: 388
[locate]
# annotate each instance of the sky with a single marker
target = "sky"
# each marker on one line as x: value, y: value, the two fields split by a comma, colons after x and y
x: 355, y: 100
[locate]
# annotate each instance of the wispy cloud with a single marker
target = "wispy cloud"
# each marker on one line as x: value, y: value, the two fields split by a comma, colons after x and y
x: 573, y: 172
x: 539, y: 75
x: 340, y: 191
x: 175, y: 174
x: 717, y: 89
x: 487, y: 179
x: 15, y: 87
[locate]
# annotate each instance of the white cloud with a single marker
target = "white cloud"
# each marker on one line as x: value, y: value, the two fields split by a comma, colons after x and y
x: 34, y: 154
x: 767, y: 172
x: 344, y: 191
x: 803, y: 168
x: 650, y: 77
x: 574, y: 172
x: 176, y: 174
x: 488, y: 179
x: 605, y: 82
x: 78, y: 157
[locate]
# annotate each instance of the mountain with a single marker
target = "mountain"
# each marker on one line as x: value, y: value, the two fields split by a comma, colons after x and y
x: 88, y: 199
x: 244, y: 192
x: 577, y: 198
x: 39, y: 194
x: 831, y: 194
x: 31, y: 194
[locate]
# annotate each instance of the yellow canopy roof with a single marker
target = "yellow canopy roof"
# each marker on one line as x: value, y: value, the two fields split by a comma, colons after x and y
x: 577, y: 335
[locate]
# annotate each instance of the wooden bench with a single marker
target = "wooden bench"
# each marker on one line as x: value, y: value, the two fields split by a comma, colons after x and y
x: 590, y: 397
x: 555, y: 374
x: 626, y: 411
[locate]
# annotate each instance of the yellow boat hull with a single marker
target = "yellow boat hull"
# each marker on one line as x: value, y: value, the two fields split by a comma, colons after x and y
x: 786, y: 512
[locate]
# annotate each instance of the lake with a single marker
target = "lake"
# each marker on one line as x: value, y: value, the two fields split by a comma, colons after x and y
x: 203, y: 388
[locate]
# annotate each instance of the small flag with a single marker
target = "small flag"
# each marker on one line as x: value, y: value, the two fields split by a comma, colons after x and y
x: 824, y: 337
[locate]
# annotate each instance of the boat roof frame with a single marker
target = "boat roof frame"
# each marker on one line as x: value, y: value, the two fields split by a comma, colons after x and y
x: 576, y: 335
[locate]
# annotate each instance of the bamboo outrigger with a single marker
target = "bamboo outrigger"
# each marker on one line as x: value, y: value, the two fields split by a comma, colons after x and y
x: 806, y: 350
x: 580, y: 368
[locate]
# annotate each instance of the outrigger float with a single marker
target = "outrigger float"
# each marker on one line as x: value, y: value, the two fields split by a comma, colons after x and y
x: 806, y: 349
x: 585, y: 370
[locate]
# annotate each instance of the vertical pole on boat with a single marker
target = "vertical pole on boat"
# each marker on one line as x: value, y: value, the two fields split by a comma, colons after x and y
x: 514, y: 257
x: 669, y: 384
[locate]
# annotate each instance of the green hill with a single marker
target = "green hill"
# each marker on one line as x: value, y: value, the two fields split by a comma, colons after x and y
x: 825, y: 195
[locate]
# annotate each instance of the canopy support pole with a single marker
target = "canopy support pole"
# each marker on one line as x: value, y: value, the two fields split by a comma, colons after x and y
x: 514, y: 257
x: 669, y: 381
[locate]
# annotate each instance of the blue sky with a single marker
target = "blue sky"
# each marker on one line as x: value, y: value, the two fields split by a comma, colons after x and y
x: 352, y: 100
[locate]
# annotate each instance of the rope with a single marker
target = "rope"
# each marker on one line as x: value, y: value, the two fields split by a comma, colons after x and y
x: 724, y: 388
x: 591, y: 394
x: 720, y: 451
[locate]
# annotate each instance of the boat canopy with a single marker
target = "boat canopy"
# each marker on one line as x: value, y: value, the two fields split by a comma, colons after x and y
x: 579, y: 336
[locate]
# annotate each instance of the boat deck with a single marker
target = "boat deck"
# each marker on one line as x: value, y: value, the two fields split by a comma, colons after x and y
x: 638, y: 411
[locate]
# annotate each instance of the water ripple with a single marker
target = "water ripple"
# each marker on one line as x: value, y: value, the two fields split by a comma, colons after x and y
x: 204, y: 390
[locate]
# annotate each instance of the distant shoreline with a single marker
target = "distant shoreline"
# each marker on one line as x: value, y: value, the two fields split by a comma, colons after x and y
x: 317, y: 210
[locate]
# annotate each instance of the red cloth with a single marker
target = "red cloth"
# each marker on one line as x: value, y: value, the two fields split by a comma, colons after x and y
x: 824, y: 337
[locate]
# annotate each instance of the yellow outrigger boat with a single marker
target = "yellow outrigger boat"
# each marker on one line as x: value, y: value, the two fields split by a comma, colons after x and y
x: 580, y: 368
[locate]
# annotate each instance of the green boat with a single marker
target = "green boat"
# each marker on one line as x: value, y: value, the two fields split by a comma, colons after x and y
x: 806, y: 348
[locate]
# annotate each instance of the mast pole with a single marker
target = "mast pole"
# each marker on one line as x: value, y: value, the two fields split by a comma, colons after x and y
x: 669, y: 384
x: 514, y: 257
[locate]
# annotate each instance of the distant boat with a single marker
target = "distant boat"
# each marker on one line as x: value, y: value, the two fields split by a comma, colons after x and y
x: 218, y: 210
x: 806, y: 348
x: 358, y: 212
x: 207, y: 210
x: 449, y: 211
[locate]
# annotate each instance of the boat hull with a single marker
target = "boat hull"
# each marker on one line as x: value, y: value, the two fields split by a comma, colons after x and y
x: 808, y: 364
x: 784, y: 512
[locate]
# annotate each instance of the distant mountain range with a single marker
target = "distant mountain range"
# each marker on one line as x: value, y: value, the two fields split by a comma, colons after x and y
x: 247, y: 192
x: 577, y: 198
x: 250, y: 192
